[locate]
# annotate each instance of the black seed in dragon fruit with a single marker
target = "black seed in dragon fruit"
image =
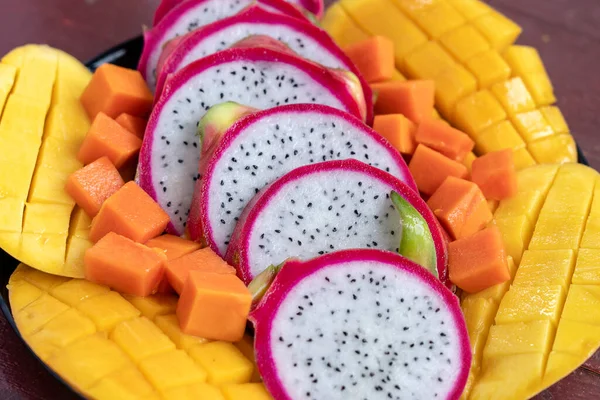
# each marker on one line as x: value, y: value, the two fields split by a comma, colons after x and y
x: 189, y: 15
x: 304, y: 38
x: 259, y: 76
x: 360, y: 324
x: 264, y: 146
x: 321, y: 208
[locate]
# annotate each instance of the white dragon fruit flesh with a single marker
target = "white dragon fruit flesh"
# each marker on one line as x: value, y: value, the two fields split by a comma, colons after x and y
x: 321, y: 208
x: 360, y: 324
x: 259, y: 76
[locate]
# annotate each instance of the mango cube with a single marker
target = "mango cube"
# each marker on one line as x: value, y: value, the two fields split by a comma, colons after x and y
x: 126, y: 384
x: 540, y: 87
x: 576, y: 338
x: 555, y: 118
x: 545, y: 268
x: 171, y: 369
x: 48, y: 185
x: 500, y: 31
x: 341, y: 27
x: 587, y: 267
x: 479, y: 316
x: 223, y: 362
x: 530, y: 303
x: 572, y: 190
x: 539, y: 178
x: 22, y: 294
x: 428, y: 61
x: 47, y: 218
x: 523, y: 159
x: 38, y: 313
x: 525, y: 202
x: 42, y: 280
x: 73, y: 291
x: 59, y: 154
x: 170, y: 326
x: 11, y: 214
x: 21, y: 155
x: 514, y: 96
x: 88, y: 360
x: 26, y: 115
x: 559, y: 366
x: 155, y: 305
x: 498, y: 137
x: 532, y: 125
x: 196, y: 391
x: 523, y: 60
x: 107, y: 310
x: 477, y: 112
x: 557, y: 231
x: 516, y: 233
x: 583, y: 304
x: 464, y: 43
x: 494, y: 293
x: 451, y: 85
x: 44, y: 250
x: 554, y: 149
x: 246, y: 391
x: 140, y: 338
x: 518, y: 338
x: 489, y: 68
x: 439, y: 19
x: 76, y: 248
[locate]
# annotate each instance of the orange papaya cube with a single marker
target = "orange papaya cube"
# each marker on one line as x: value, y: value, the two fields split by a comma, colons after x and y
x: 115, y: 90
x: 206, y: 260
x: 173, y: 246
x: 398, y: 130
x: 130, y: 212
x: 413, y: 99
x: 374, y: 58
x: 495, y: 174
x: 214, y: 306
x: 124, y: 265
x: 93, y: 184
x: 135, y: 125
x: 478, y: 262
x: 460, y: 207
x: 107, y: 138
x: 441, y: 137
x: 430, y: 168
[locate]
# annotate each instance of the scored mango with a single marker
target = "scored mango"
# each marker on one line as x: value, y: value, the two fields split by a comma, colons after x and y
x: 498, y: 92
x: 42, y: 125
x: 536, y: 329
x: 108, y: 346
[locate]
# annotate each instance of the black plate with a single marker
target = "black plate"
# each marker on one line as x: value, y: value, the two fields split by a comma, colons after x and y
x: 126, y: 55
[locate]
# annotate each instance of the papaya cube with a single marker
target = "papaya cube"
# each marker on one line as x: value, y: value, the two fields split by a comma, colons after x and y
x: 554, y: 149
x: 246, y: 391
x: 514, y: 96
x: 519, y: 338
x: 414, y: 99
x: 430, y: 168
x: 173, y: 246
x: 583, y: 304
x: 465, y: 42
x: 114, y: 90
x: 441, y: 137
x: 155, y: 305
x: 74, y: 291
x: 523, y: 159
x: 132, y: 213
x: 140, y: 338
x: 223, y: 363
x: 555, y: 118
x: 171, y: 369
x: 451, y: 85
x: 500, y: 31
x: 374, y: 58
x: 439, y: 19
x: 398, y: 130
x: 93, y: 184
x: 135, y: 125
x: 495, y: 174
x: 540, y: 86
x: 477, y: 112
x: 576, y: 338
x: 124, y: 265
x: 557, y: 231
x: 428, y: 61
x: 532, y: 125
x: 38, y: 313
x: 107, y: 138
x: 125, y: 384
x: 587, y: 268
x: 195, y: 391
x: 170, y: 326
x: 531, y: 303
x: 488, y: 68
x: 545, y: 268
x: 214, y: 306
x: 88, y: 360
x: 460, y: 207
x: 516, y: 234
x: 523, y: 60
x: 204, y: 260
x: 107, y: 310
x: 498, y: 137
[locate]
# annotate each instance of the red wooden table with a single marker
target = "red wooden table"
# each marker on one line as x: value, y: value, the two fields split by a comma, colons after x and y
x: 566, y: 32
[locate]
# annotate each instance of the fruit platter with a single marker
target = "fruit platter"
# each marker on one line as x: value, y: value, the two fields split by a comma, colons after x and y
x: 269, y: 199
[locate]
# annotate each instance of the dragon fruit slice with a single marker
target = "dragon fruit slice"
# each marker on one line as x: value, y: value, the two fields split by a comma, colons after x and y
x: 190, y: 15
x: 320, y: 208
x: 261, y: 77
x: 360, y: 324
x: 316, y: 7
x: 303, y: 38
x: 264, y: 146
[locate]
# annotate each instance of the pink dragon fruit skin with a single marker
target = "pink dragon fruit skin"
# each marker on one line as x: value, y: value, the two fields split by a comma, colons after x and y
x: 315, y: 325
x: 242, y: 249
x: 305, y: 39
x: 190, y: 15
x: 293, y: 119
x: 165, y: 165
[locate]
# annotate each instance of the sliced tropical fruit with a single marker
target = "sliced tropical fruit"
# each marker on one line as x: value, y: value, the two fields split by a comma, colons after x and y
x: 108, y: 346
x: 42, y: 125
x: 529, y: 333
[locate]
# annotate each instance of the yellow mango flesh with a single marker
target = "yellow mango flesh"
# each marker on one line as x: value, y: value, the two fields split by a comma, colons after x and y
x: 42, y: 125
x: 109, y: 347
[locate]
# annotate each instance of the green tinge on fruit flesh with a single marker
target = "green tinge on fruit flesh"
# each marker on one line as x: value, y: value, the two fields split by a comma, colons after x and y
x: 416, y: 242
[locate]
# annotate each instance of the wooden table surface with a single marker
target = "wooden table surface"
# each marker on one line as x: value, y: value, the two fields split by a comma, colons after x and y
x: 566, y: 32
